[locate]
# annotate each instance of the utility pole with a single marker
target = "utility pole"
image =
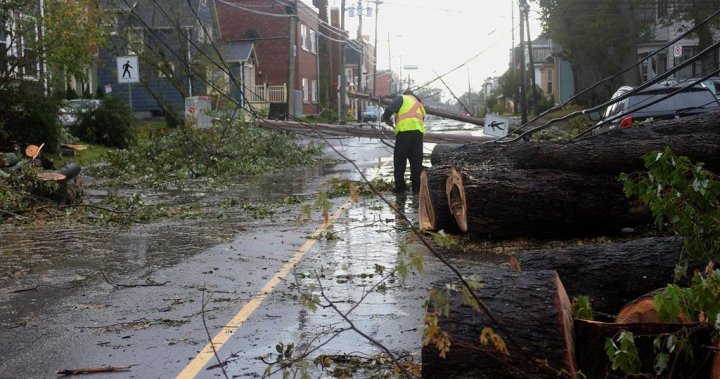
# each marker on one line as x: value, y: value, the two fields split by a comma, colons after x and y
x: 360, y: 57
x: 343, y: 80
x: 292, y: 57
x: 512, y: 22
x: 532, y: 62
x: 523, y: 91
x: 374, y: 88
x: 392, y: 84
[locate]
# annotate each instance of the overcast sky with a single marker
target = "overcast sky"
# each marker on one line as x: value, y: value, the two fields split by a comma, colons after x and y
x: 442, y: 35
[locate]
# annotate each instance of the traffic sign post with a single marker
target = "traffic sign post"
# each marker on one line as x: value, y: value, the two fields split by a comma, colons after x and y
x: 128, y: 71
x: 677, y: 51
x: 496, y: 126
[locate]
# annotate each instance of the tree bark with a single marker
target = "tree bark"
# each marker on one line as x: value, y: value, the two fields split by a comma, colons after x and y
x: 611, y: 274
x: 532, y: 309
x: 505, y: 202
x: 563, y: 190
x: 592, y: 360
x: 620, y: 150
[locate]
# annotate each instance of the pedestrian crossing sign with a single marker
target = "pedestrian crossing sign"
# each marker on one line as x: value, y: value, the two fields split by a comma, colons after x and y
x: 128, y: 70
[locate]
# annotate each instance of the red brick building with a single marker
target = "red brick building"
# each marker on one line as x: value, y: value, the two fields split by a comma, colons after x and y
x: 269, y: 25
x: 387, y: 84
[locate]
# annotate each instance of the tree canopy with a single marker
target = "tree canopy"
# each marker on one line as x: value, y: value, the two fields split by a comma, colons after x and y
x: 598, y: 39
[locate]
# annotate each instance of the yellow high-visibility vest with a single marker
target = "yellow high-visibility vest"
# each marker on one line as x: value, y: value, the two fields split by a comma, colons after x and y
x: 410, y: 116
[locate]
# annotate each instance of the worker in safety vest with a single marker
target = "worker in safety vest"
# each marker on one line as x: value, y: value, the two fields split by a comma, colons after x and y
x: 409, y: 131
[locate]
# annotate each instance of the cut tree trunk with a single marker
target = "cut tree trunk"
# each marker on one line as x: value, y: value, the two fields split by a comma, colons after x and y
x: 506, y: 202
x: 436, y: 202
x: 618, y: 151
x: 611, y: 274
x: 592, y: 360
x: 535, y: 323
x: 561, y: 190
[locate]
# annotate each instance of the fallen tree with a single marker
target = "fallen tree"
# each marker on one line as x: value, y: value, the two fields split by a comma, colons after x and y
x: 557, y: 190
x: 619, y: 150
x: 611, y: 274
x: 533, y: 311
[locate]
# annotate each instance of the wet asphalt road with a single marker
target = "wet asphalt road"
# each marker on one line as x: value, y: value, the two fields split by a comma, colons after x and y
x: 148, y: 296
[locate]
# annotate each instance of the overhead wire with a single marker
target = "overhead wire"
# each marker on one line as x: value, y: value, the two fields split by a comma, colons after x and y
x: 573, y: 98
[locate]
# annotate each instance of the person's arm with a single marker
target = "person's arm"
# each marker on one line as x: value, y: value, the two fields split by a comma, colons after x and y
x: 391, y: 109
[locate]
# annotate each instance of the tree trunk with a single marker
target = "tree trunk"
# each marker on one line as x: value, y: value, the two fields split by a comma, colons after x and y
x: 505, y: 202
x: 592, y: 360
x: 562, y: 190
x: 534, y: 312
x: 620, y: 150
x: 611, y: 274
x: 435, y: 202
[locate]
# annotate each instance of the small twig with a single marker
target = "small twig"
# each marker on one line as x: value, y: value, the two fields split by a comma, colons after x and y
x: 14, y: 214
x: 25, y: 290
x: 93, y: 370
x: 147, y: 284
x: 95, y: 207
x: 387, y: 351
x: 207, y: 331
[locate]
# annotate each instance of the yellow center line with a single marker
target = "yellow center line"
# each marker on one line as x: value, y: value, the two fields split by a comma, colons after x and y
x: 206, y: 354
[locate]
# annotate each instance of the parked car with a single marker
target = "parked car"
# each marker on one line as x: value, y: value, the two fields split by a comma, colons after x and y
x: 713, y: 84
x: 372, y: 113
x: 70, y: 111
x: 622, y: 114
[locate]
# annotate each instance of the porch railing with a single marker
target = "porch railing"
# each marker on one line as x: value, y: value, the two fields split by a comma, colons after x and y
x: 264, y: 93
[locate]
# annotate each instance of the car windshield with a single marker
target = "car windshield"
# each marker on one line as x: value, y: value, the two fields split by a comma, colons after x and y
x: 372, y: 109
x: 713, y: 86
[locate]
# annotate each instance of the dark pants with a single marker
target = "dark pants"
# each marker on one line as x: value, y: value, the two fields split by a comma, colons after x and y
x: 408, y: 146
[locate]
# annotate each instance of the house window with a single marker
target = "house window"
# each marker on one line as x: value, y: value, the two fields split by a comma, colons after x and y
x: 19, y: 38
x: 4, y: 36
x: 165, y: 69
x: 314, y: 91
x: 110, y: 24
x: 204, y: 33
x: 303, y: 37
x: 313, y: 41
x: 30, y: 66
x: 662, y: 8
x: 549, y: 82
x: 218, y: 81
x: 135, y: 42
x: 305, y: 90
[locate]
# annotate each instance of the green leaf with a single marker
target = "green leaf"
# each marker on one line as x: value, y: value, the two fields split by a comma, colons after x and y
x: 661, y: 363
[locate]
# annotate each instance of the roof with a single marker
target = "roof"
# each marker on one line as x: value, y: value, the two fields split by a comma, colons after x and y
x: 237, y: 51
x: 158, y: 13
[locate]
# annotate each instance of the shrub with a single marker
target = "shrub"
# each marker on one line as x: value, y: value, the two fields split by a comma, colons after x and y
x: 110, y: 124
x: 28, y: 118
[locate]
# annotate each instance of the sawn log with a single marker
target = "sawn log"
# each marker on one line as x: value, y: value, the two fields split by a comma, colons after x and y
x: 561, y: 190
x: 611, y: 274
x: 535, y: 323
